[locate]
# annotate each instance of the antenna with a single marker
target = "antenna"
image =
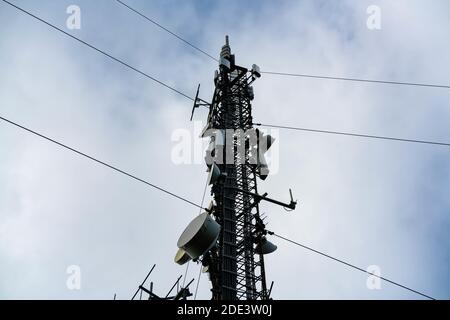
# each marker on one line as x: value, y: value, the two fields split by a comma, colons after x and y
x: 151, y: 270
x: 175, y: 284
x: 198, y: 102
x: 230, y: 239
x: 195, y: 102
x: 182, y: 294
x: 270, y: 290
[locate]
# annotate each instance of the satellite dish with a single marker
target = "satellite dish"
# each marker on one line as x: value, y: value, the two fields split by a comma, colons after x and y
x: 219, y: 137
x: 214, y: 174
x: 263, y: 168
x: 209, y: 153
x: 181, y: 257
x: 264, y: 141
x: 270, y: 141
x: 207, y: 130
x: 256, y: 71
x: 211, y: 206
x: 199, y: 236
x: 265, y: 247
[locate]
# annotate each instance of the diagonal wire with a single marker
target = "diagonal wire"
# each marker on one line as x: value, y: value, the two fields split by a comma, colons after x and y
x: 100, y: 162
x: 185, y: 274
x: 357, y: 79
x: 167, y: 30
x: 198, y: 282
x: 351, y: 265
x: 200, y: 272
x: 100, y: 51
x: 190, y: 98
x: 284, y: 73
x: 203, y: 197
x: 187, y: 265
x: 354, y: 134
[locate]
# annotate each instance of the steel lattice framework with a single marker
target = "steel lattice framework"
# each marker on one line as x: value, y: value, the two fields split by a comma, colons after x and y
x: 236, y: 271
x: 235, y: 159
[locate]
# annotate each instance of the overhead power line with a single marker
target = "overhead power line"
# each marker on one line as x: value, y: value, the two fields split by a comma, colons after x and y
x: 357, y: 79
x: 99, y: 50
x: 190, y: 98
x: 167, y: 30
x: 100, y: 162
x: 353, y: 134
x: 192, y: 203
x: 284, y: 73
x: 351, y: 265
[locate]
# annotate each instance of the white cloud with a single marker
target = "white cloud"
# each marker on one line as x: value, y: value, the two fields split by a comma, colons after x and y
x: 367, y: 202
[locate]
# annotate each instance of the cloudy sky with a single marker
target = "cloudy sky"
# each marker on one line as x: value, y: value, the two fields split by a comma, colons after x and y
x: 369, y: 202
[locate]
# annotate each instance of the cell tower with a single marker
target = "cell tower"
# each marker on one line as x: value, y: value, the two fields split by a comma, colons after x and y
x: 230, y: 238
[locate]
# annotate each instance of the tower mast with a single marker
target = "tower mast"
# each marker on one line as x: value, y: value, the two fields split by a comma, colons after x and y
x: 236, y: 271
x: 232, y: 244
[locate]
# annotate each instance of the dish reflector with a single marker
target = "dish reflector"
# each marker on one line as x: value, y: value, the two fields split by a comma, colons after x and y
x: 219, y: 137
x: 181, y: 257
x: 269, y: 141
x: 264, y: 141
x: 265, y: 247
x: 211, y: 206
x: 263, y: 168
x: 210, y: 153
x: 214, y: 174
x: 199, y: 236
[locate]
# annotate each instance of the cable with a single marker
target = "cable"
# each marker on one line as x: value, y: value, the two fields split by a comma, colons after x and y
x: 167, y: 30
x: 203, y: 197
x: 351, y: 265
x: 200, y: 272
x: 200, y: 50
x: 185, y: 274
x: 100, y: 162
x: 198, y: 282
x: 190, y: 98
x: 187, y: 265
x: 192, y: 203
x: 357, y: 80
x: 354, y: 134
x: 283, y: 73
x: 100, y: 51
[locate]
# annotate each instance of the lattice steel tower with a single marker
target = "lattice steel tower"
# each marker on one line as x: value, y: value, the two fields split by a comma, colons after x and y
x: 230, y: 238
x: 236, y: 263
x: 236, y: 271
